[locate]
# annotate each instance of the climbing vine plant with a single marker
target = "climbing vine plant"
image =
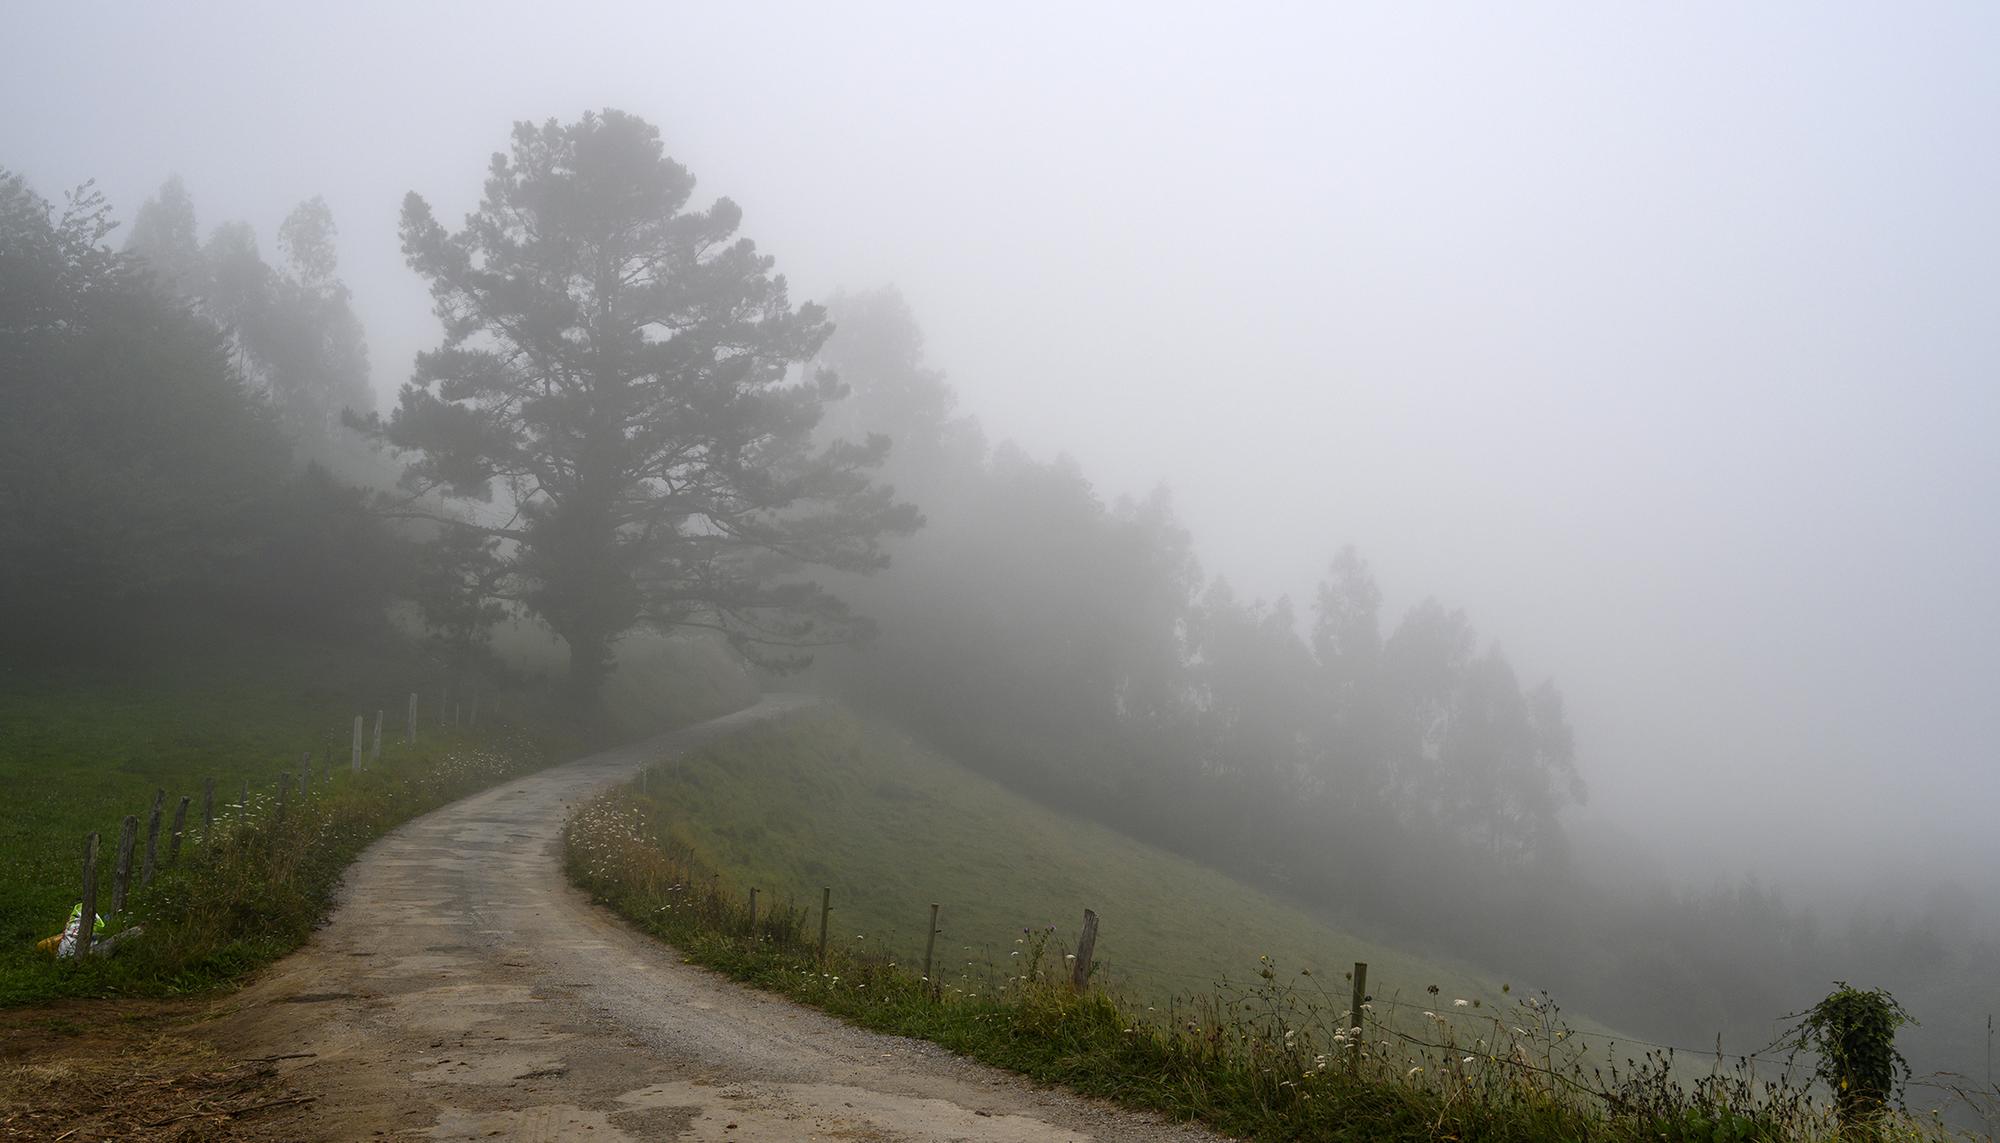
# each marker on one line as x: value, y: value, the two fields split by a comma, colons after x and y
x: 1854, y: 1033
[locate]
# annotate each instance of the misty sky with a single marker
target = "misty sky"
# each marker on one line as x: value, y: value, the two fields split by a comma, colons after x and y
x: 1662, y: 341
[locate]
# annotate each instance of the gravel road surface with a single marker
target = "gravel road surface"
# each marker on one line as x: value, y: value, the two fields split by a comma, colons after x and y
x: 464, y: 990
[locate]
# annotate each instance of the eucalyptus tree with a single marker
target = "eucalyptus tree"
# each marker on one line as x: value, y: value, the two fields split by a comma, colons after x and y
x: 620, y: 383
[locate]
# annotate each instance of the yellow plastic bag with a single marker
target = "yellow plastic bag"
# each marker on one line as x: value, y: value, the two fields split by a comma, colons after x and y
x: 65, y: 941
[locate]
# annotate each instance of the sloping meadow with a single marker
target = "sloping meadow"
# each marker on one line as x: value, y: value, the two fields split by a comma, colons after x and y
x: 1207, y: 1001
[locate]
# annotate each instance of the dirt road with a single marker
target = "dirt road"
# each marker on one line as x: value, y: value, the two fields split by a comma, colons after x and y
x: 463, y: 990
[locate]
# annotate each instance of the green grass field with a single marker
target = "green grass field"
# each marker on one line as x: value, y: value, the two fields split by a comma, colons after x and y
x: 1223, y: 1004
x: 828, y: 800
x: 84, y: 744
x: 81, y: 749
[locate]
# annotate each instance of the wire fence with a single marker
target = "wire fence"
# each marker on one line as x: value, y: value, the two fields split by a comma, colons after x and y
x: 90, y: 933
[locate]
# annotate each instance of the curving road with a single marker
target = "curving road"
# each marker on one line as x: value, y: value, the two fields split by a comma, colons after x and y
x: 463, y: 990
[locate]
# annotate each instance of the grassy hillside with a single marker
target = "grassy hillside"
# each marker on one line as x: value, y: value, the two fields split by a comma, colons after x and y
x: 1225, y: 1006
x: 827, y: 800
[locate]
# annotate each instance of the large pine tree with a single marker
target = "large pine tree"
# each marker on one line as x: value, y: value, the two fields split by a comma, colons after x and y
x: 617, y: 374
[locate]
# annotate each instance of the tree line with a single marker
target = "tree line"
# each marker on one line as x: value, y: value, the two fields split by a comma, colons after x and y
x: 140, y: 471
x: 1077, y: 648
x: 612, y: 435
x: 1393, y: 773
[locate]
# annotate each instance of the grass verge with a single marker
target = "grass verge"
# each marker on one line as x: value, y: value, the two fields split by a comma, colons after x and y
x: 828, y: 800
x: 84, y: 744
x: 252, y: 889
x: 1276, y: 1057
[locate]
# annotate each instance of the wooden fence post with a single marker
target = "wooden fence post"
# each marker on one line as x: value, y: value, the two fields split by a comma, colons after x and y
x: 410, y: 727
x: 306, y: 769
x: 1354, y: 1024
x: 86, y: 928
x: 243, y: 802
x: 357, y: 744
x: 930, y: 944
x: 121, y: 873
x: 753, y: 912
x: 474, y: 719
x: 444, y: 703
x: 180, y: 827
x: 284, y: 783
x: 1086, y: 947
x: 825, y: 907
x: 207, y: 808
x: 375, y: 755
x: 152, y: 839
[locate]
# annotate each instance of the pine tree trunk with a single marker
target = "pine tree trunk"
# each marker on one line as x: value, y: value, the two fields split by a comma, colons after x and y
x: 589, y: 665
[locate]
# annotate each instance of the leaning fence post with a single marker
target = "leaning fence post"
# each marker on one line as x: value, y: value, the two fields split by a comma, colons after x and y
x: 152, y: 839
x: 410, y: 727
x: 1354, y: 1024
x: 375, y: 754
x: 930, y: 943
x: 121, y: 873
x: 207, y: 808
x: 1086, y: 947
x: 180, y: 826
x: 825, y: 907
x: 86, y: 927
x: 357, y: 744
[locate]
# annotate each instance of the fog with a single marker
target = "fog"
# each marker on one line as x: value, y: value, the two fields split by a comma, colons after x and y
x: 1661, y: 342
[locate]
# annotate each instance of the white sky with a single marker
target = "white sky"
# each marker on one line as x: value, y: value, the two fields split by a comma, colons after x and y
x: 1661, y: 340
